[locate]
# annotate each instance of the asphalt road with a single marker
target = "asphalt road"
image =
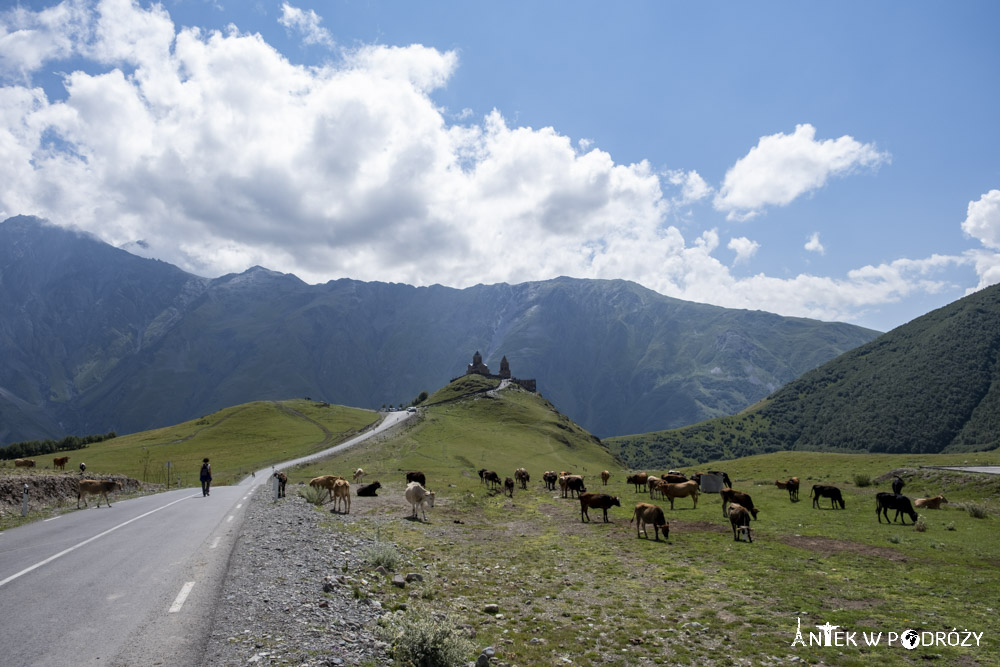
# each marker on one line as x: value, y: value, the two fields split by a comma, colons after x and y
x: 133, y: 584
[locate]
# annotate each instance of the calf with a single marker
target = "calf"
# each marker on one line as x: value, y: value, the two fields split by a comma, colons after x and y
x: 282, y: 481
x: 645, y: 513
x: 60, y: 462
x: 342, y: 496
x: 359, y: 475
x: 369, y: 489
x: 930, y: 503
x: 738, y: 498
x: 639, y: 479
x: 893, y: 501
x: 508, y: 487
x: 824, y: 491
x: 596, y: 500
x: 96, y: 488
x: 550, y: 478
x: 419, y: 498
x: 418, y: 477
x: 739, y: 517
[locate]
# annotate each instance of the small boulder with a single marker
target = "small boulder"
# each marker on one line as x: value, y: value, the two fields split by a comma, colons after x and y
x: 491, y: 609
x: 399, y: 581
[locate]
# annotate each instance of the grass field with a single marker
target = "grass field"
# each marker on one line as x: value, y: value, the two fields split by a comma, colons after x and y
x: 237, y: 440
x: 595, y: 594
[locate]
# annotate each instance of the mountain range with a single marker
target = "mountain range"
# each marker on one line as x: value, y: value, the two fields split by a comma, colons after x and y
x: 95, y: 339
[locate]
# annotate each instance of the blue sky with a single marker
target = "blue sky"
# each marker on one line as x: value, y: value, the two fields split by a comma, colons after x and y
x: 836, y: 160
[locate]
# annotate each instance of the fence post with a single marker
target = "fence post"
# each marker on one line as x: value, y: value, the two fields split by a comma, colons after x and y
x: 274, y: 485
x: 24, y: 502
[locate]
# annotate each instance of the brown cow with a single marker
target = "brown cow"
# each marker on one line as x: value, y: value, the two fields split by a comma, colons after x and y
x: 60, y: 462
x: 325, y: 482
x: 24, y: 463
x: 674, y: 478
x: 650, y: 514
x: 597, y: 500
x: 522, y: 477
x: 652, y: 483
x: 97, y: 488
x: 508, y: 487
x: 342, y: 496
x: 639, y: 479
x: 793, y: 489
x: 682, y: 490
x: 282, y: 481
x: 930, y: 503
x: 739, y: 498
x: 739, y: 517
x: 605, y: 476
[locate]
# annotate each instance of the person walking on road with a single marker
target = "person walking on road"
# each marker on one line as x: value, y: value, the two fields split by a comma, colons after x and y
x: 206, y: 477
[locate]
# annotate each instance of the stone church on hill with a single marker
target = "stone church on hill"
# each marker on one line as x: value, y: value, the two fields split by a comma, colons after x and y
x: 477, y: 367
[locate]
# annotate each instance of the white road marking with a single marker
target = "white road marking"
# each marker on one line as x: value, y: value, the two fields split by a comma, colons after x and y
x: 215, y: 542
x: 181, y: 597
x: 87, y: 541
x: 52, y: 519
x: 231, y: 517
x: 239, y: 505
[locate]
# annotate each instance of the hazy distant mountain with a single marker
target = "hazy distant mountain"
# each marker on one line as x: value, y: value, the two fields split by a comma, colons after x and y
x: 93, y: 338
x: 931, y: 385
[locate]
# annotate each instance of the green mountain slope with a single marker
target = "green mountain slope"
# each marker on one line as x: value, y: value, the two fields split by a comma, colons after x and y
x: 932, y: 385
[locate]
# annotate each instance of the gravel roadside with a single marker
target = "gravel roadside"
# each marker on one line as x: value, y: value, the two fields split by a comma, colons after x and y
x: 274, y: 609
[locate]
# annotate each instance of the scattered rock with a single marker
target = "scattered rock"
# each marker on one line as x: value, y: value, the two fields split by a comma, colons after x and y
x: 491, y: 608
x: 398, y: 581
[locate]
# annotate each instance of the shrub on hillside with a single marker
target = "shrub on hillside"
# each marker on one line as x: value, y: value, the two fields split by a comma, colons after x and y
x: 862, y: 479
x: 313, y: 495
x: 977, y: 511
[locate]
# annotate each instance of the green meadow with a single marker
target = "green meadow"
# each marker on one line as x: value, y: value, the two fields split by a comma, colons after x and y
x: 238, y: 440
x: 595, y: 593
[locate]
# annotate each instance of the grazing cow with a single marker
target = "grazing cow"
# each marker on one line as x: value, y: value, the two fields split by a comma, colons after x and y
x: 492, y: 479
x: 508, y: 487
x: 60, y: 462
x: 369, y: 489
x: 824, y: 491
x: 325, y: 482
x: 482, y: 471
x: 415, y: 476
x: 282, y: 481
x: 893, y: 501
x: 571, y: 484
x: 419, y: 498
x: 738, y: 498
x: 342, y: 496
x: 550, y: 478
x: 897, y: 484
x: 605, y: 476
x: 793, y: 489
x: 597, y: 500
x: 682, y: 490
x: 930, y: 503
x: 645, y: 513
x: 522, y: 477
x: 359, y: 475
x: 739, y: 517
x: 94, y: 487
x: 24, y: 463
x: 639, y: 479
x: 652, y: 483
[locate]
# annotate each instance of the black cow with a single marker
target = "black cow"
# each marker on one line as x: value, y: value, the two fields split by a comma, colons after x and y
x: 369, y: 489
x: 550, y: 478
x: 492, y: 479
x: 897, y: 485
x: 418, y: 477
x: 575, y: 483
x: 508, y: 487
x: 482, y: 471
x: 831, y: 492
x: 893, y: 501
x: 596, y: 500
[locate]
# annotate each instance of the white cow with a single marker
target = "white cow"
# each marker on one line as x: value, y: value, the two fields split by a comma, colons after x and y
x: 419, y: 497
x: 359, y: 475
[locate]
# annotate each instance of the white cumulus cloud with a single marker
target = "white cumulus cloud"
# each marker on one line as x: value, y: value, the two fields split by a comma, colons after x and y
x: 743, y: 247
x: 307, y: 23
x: 982, y: 219
x: 814, y: 245
x: 782, y: 167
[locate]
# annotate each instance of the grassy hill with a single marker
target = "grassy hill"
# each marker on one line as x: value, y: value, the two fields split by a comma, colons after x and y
x: 237, y: 440
x: 595, y: 594
x: 932, y: 385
